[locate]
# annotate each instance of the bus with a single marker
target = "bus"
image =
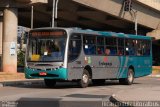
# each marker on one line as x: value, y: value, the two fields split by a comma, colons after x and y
x: 86, y: 56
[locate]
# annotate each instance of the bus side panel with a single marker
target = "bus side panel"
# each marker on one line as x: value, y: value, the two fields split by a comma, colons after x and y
x: 105, y: 67
x: 75, y: 68
x: 144, y: 66
x: 123, y: 68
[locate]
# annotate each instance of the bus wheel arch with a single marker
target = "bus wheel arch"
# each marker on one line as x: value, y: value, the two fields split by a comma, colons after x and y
x: 131, y: 67
x: 89, y: 69
x: 130, y: 77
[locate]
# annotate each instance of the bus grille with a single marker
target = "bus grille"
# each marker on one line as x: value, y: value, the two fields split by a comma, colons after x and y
x: 48, y: 75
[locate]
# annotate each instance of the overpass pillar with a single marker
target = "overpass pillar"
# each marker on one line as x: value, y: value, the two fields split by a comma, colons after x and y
x: 10, y: 23
x: 1, y: 29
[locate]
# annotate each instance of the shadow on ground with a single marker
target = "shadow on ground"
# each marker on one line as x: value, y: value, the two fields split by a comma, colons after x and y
x: 66, y: 85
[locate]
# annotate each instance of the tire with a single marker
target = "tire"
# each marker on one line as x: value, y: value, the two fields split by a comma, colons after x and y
x: 50, y: 83
x: 84, y: 82
x: 130, y: 78
x: 98, y: 81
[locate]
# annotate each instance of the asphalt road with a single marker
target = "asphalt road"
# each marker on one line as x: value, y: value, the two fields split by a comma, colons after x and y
x: 68, y: 94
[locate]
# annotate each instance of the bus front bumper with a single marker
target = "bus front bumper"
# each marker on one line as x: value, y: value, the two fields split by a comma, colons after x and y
x: 60, y: 73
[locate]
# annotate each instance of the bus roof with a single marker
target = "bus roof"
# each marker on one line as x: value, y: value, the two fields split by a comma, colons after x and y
x: 112, y: 34
x: 132, y: 36
x: 102, y: 33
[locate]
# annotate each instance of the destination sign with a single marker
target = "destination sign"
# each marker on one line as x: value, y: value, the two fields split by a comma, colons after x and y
x: 47, y: 33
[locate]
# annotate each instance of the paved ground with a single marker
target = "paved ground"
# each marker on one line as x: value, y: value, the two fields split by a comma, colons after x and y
x: 69, y: 95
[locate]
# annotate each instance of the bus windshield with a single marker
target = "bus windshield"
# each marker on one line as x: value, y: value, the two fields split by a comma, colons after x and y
x: 46, y: 46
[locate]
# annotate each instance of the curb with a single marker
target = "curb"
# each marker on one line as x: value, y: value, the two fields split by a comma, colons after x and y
x: 155, y: 75
x: 21, y: 83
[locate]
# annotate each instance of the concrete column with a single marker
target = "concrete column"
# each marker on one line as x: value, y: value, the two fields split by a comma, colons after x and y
x: 10, y: 23
x: 1, y: 30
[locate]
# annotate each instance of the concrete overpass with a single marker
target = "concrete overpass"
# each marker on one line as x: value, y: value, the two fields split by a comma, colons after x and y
x: 89, y: 14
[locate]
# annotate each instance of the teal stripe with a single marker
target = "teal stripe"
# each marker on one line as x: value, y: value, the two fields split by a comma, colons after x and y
x: 61, y: 72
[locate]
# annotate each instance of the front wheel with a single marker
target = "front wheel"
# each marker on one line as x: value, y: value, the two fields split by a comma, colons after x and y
x: 84, y: 81
x: 130, y: 78
x: 50, y: 83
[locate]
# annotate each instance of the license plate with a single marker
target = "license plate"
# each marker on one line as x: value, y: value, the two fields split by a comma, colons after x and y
x: 43, y: 73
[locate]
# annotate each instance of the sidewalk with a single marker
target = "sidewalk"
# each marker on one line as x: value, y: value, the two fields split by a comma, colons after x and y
x: 8, y: 79
x: 138, y: 94
x: 11, y: 77
x: 155, y: 71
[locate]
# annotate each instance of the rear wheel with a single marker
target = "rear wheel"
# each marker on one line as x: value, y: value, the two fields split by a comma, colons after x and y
x: 130, y: 78
x: 84, y: 81
x: 50, y: 83
x: 98, y: 81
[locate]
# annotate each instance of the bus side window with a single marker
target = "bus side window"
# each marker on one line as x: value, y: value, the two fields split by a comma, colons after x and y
x: 146, y: 48
x: 139, y: 48
x: 111, y: 46
x: 130, y: 46
x: 100, y: 45
x: 100, y: 50
x: 107, y: 51
x: 89, y: 45
x: 120, y: 46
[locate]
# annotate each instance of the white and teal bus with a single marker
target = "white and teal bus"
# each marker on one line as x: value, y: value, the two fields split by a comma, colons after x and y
x: 71, y: 54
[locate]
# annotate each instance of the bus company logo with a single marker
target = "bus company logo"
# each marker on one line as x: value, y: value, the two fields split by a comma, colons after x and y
x: 105, y: 59
x: 105, y: 62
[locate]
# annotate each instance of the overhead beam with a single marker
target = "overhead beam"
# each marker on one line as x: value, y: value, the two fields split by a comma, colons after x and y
x: 114, y: 7
x: 99, y: 17
x: 74, y: 18
x: 21, y: 3
x: 94, y: 15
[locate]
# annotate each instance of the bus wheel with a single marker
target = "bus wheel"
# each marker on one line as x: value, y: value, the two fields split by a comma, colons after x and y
x: 98, y: 81
x: 130, y: 78
x: 50, y: 83
x: 84, y: 82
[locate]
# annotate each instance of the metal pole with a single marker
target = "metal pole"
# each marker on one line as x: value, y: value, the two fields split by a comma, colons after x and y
x: 53, y: 13
x: 136, y: 23
x: 32, y: 17
x: 56, y: 10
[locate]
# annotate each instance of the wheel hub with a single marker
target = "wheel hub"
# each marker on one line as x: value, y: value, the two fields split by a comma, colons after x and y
x: 130, y: 77
x: 85, y: 78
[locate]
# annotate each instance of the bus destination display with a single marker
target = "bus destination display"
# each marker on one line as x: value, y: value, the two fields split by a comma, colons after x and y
x: 47, y: 33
